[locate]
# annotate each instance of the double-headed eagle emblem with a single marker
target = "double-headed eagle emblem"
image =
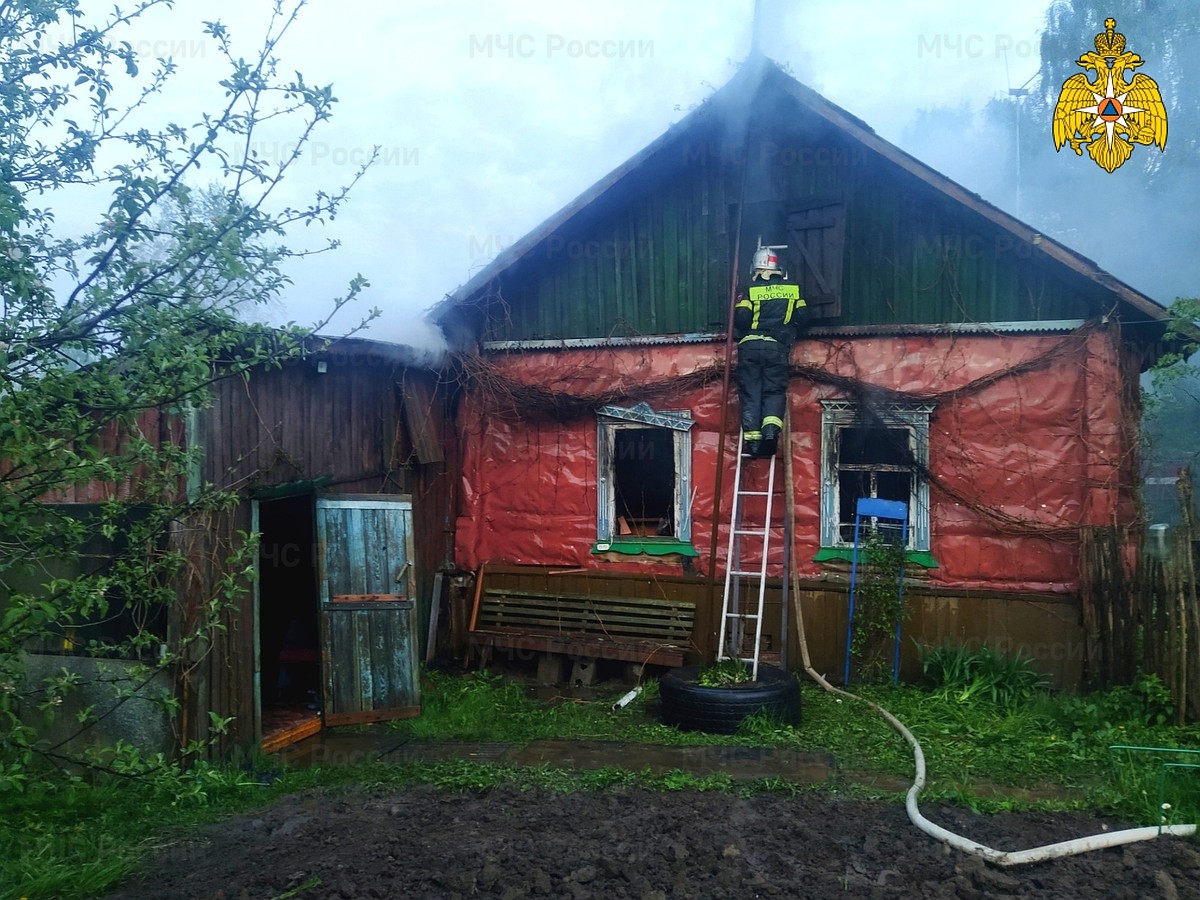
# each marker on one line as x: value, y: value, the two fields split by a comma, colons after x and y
x: 1109, y: 115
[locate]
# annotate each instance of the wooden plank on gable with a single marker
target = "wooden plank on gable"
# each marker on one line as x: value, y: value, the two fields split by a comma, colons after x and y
x: 421, y: 417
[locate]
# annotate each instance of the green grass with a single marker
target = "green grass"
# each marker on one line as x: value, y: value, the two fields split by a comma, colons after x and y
x: 988, y: 748
x: 486, y: 707
x: 70, y: 838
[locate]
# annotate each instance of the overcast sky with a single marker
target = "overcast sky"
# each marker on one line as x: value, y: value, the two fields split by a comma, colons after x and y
x: 491, y: 116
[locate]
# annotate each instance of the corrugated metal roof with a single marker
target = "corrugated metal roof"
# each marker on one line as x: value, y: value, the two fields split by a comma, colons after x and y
x: 1055, y: 326
x: 367, y: 349
x: 577, y: 343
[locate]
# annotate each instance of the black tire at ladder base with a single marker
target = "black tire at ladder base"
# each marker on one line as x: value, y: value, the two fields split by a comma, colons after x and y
x: 720, y: 710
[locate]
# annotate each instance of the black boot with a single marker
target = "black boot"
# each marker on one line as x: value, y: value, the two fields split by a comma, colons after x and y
x: 751, y: 448
x: 766, y: 448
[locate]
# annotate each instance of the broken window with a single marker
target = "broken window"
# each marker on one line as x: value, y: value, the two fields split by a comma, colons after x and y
x: 644, y: 481
x: 644, y: 475
x: 880, y: 453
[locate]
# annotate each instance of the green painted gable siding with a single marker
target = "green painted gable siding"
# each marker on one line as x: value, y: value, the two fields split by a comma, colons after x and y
x: 656, y: 265
x: 913, y: 256
x: 651, y: 255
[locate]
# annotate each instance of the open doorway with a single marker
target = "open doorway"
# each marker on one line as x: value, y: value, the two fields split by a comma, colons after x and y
x: 288, y: 621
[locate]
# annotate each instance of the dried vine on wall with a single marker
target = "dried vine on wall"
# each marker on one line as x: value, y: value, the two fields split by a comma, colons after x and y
x: 502, y: 395
x: 508, y: 398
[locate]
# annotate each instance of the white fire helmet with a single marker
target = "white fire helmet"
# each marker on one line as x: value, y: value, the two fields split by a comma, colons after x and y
x: 766, y: 259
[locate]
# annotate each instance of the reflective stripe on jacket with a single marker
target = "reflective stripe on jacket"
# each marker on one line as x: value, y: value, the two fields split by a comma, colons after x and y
x: 769, y: 312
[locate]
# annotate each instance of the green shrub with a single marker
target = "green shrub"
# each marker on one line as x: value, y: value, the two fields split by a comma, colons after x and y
x: 1146, y: 703
x: 878, y: 609
x: 958, y: 673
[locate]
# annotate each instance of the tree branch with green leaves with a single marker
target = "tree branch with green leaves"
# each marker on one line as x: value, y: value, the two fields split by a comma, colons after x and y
x: 110, y: 335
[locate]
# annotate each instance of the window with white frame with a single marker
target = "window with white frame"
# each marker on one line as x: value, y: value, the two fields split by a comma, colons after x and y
x: 644, y: 462
x: 881, y: 453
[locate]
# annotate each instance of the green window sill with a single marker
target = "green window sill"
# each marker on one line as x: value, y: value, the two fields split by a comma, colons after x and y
x: 916, y: 557
x: 651, y: 546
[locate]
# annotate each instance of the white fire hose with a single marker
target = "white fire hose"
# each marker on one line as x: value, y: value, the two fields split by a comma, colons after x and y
x: 957, y: 841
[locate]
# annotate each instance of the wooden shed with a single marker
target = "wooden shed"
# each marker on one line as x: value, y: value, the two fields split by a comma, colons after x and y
x: 339, y: 464
x: 594, y: 437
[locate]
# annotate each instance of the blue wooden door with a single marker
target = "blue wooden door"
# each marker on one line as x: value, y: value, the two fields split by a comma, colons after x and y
x: 368, y: 611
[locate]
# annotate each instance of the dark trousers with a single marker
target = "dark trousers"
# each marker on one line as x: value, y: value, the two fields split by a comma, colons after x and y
x: 762, y: 380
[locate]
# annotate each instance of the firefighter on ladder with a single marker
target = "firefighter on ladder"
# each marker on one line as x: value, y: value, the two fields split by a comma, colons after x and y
x: 766, y: 319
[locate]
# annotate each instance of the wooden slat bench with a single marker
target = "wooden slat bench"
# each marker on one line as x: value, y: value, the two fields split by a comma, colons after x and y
x: 633, y: 629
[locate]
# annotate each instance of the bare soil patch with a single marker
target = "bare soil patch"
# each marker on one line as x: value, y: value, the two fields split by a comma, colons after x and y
x: 509, y: 843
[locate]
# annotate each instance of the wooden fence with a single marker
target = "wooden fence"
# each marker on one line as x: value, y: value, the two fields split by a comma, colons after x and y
x: 1140, y: 611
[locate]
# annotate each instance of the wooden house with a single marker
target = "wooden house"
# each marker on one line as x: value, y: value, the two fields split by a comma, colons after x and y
x: 960, y: 362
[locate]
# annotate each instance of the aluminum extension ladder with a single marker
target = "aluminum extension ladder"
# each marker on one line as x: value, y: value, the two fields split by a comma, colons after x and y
x: 734, y: 620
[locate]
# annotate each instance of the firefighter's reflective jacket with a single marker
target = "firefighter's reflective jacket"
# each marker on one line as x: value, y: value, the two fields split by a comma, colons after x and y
x: 770, y: 312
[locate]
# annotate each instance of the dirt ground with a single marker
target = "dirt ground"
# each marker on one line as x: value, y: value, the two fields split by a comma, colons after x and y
x: 507, y: 843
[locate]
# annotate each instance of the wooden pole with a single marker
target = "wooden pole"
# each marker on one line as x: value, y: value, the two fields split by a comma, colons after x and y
x: 1088, y: 590
x: 1190, y: 619
x: 1175, y: 609
x: 474, y: 614
x: 722, y: 432
x: 435, y: 605
x: 789, y: 485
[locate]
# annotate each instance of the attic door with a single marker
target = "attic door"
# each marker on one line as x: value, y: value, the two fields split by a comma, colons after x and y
x: 816, y: 246
x: 368, y: 611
